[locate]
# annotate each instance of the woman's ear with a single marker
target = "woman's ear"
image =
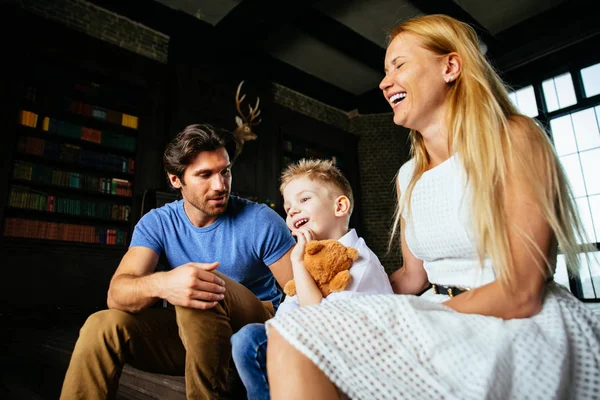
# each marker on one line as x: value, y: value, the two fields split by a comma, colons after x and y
x: 452, y: 67
x: 342, y: 206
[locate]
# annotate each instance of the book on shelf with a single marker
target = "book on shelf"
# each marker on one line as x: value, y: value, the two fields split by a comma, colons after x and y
x: 32, y: 199
x: 28, y: 118
x: 64, y: 191
x: 36, y: 229
x: 76, y: 131
x: 70, y: 153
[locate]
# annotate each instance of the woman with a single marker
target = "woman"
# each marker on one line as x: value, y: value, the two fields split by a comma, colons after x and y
x: 483, y: 206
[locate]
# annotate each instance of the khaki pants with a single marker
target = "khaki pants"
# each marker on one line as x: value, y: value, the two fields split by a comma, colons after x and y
x: 172, y: 341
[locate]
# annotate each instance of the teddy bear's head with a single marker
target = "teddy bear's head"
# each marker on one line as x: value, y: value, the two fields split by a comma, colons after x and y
x: 324, y: 259
x: 328, y: 262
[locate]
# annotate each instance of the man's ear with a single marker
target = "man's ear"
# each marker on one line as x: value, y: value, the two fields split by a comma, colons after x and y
x: 342, y: 206
x: 174, y: 180
x: 452, y: 67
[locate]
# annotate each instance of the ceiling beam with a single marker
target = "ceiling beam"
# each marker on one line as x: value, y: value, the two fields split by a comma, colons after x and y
x: 293, y: 78
x: 340, y: 37
x: 154, y: 15
x: 547, y: 32
x: 450, y: 8
x: 252, y: 20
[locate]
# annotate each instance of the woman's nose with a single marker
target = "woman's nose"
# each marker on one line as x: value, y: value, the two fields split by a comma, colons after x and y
x: 385, y: 83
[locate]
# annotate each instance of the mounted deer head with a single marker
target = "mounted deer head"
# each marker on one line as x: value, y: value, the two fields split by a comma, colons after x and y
x: 243, y: 132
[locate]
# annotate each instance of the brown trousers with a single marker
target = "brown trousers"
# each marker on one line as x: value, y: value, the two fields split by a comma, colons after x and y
x: 172, y: 341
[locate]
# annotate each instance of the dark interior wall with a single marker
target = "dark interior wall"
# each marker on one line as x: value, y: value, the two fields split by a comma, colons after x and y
x: 191, y: 87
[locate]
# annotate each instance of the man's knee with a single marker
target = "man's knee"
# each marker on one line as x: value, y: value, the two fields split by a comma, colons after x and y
x: 110, y: 327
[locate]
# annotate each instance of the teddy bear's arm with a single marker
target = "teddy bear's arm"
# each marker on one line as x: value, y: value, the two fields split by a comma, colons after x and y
x: 290, y: 288
x: 340, y: 281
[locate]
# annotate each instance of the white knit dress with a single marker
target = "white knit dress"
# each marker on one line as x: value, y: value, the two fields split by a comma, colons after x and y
x: 409, y: 347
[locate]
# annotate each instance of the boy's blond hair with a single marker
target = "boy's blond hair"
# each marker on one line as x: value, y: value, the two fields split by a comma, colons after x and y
x: 323, y: 171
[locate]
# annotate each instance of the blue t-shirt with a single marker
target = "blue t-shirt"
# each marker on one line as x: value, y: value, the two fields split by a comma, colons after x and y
x: 245, y: 240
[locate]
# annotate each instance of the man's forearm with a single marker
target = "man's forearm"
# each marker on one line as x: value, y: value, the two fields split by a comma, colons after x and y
x: 134, y: 293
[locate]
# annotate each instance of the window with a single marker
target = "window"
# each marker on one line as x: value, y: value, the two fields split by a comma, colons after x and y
x: 559, y: 92
x: 576, y: 137
x: 524, y: 100
x: 591, y: 80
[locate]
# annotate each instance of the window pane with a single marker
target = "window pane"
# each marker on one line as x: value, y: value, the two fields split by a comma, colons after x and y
x: 513, y: 97
x: 550, y: 95
x: 559, y: 92
x: 561, y: 275
x: 563, y: 136
x: 565, y: 90
x: 573, y: 171
x: 591, y: 80
x: 589, y: 274
x: 586, y: 218
x: 526, y: 101
x: 595, y: 208
x: 590, y: 163
x: 586, y: 129
x: 586, y: 278
x: 594, y: 263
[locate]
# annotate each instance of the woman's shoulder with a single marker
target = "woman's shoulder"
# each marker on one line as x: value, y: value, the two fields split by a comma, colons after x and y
x: 529, y: 139
x: 523, y: 128
x: 405, y: 172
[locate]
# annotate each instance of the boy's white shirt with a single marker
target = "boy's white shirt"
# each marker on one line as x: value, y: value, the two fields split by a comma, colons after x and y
x: 367, y: 276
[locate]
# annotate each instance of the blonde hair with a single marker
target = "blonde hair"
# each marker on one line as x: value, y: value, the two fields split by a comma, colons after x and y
x: 479, y: 117
x: 323, y: 171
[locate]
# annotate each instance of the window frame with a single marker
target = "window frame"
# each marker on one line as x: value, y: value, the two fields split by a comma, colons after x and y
x: 544, y: 117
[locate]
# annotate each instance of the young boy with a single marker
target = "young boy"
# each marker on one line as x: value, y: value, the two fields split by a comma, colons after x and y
x: 318, y: 202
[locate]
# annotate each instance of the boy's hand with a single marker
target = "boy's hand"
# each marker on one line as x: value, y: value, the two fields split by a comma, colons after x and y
x: 303, y: 236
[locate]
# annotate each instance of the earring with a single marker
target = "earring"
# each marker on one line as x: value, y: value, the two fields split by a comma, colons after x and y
x: 446, y: 80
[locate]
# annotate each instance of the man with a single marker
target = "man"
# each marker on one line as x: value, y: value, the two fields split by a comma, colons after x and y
x: 227, y: 253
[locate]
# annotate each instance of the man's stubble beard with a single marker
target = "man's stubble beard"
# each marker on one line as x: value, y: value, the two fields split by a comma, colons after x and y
x: 214, y: 211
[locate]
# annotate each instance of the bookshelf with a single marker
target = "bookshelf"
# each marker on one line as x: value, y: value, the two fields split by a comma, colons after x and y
x: 72, y: 173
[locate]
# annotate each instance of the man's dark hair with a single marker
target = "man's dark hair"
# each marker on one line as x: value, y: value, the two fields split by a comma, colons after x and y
x: 191, y: 141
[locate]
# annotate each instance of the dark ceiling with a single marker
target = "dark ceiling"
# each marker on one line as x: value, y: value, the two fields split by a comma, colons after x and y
x: 333, y: 50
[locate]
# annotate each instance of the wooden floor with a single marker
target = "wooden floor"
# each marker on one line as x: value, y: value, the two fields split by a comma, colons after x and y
x: 35, y: 351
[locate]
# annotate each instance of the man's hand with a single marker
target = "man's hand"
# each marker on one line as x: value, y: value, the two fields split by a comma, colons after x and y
x: 193, y: 285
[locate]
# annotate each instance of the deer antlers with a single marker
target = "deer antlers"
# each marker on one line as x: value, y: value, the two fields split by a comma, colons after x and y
x: 243, y: 132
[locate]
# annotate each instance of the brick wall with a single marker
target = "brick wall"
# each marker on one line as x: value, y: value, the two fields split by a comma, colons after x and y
x: 102, y: 24
x: 383, y: 147
x: 309, y: 106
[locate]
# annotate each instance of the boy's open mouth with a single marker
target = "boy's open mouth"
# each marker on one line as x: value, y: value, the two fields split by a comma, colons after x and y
x: 300, y: 222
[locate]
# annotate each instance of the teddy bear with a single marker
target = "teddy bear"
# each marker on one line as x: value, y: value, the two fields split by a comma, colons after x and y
x: 328, y: 262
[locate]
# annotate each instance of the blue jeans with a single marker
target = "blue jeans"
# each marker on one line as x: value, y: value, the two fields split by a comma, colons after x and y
x: 249, y: 351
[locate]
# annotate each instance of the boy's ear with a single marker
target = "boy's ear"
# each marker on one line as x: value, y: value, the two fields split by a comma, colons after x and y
x: 342, y: 206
